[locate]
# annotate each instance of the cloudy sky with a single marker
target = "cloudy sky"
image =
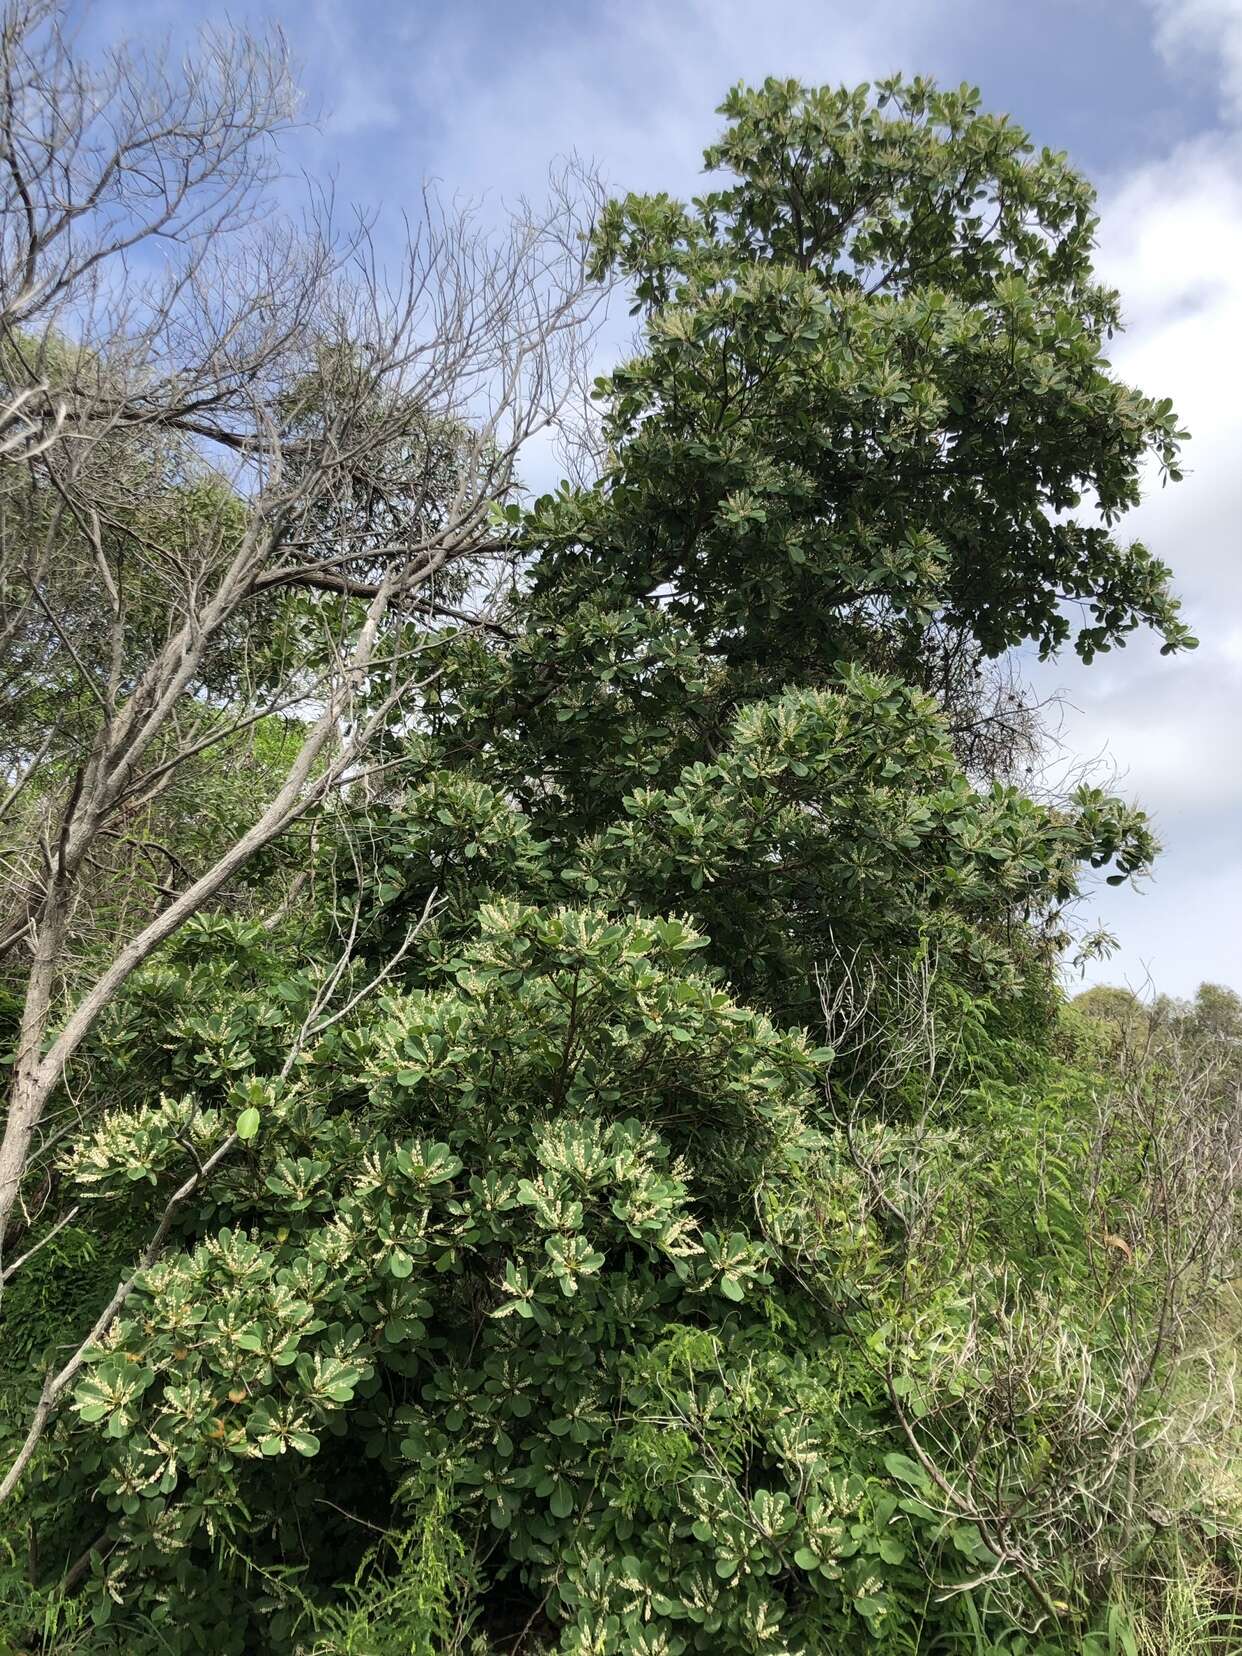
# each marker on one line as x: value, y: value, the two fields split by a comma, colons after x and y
x: 1146, y: 95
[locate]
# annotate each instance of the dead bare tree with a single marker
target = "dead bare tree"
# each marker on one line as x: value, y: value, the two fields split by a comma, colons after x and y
x: 208, y: 414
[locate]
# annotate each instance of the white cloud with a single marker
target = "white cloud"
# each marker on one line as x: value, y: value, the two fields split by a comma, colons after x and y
x: 1171, y: 241
x: 1209, y: 31
x: 632, y: 85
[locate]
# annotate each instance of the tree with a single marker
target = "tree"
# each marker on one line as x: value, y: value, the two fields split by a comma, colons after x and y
x: 872, y: 386
x: 1202, y: 1036
x: 236, y: 492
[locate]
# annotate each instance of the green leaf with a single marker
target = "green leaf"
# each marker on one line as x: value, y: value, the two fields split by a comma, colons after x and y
x: 905, y: 1470
x: 248, y: 1123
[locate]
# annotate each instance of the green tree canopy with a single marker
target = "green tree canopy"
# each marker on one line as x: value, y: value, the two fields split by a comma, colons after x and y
x: 871, y: 389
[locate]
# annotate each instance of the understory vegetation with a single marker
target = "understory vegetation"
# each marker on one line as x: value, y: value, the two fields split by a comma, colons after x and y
x: 541, y: 1112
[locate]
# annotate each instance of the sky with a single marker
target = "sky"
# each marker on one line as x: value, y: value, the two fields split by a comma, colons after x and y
x: 1145, y: 95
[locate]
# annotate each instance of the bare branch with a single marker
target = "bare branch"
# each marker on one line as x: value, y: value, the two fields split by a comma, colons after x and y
x: 281, y: 434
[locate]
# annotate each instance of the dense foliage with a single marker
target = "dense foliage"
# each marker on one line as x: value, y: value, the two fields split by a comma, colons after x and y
x: 636, y: 1186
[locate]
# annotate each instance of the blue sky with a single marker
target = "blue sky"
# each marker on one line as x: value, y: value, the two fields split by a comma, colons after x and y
x: 1146, y: 95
